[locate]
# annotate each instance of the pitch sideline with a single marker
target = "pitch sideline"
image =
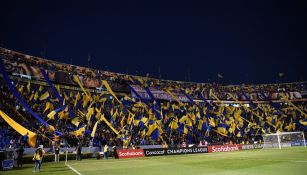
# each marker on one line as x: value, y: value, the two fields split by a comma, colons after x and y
x: 72, y: 169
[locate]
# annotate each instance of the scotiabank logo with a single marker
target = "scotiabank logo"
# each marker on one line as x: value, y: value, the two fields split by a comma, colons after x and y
x: 224, y: 148
x: 127, y: 153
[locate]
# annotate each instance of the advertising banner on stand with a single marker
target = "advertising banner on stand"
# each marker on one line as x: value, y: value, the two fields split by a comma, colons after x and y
x: 155, y: 152
x: 130, y: 153
x: 174, y: 151
x: 224, y: 148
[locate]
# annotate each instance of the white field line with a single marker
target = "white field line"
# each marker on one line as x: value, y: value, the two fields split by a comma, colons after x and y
x: 73, y: 169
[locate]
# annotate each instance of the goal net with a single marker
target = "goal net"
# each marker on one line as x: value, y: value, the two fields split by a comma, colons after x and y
x: 283, y: 139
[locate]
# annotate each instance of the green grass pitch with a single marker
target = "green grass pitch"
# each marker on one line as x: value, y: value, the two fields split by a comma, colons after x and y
x: 266, y: 161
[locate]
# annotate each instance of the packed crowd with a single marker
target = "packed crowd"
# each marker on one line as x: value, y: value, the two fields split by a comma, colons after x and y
x: 126, y: 121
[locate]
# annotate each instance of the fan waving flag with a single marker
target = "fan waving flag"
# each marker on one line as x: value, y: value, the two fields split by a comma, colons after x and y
x: 20, y: 129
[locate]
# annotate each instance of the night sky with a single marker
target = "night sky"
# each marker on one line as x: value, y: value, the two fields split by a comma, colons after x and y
x: 244, y: 41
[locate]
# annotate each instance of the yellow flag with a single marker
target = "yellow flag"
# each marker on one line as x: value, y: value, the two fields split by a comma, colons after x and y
x: 76, y: 79
x: 51, y: 115
x: 36, y: 95
x: 94, y: 129
x: 143, y: 133
x: 20, y: 129
x: 58, y: 88
x: 131, y: 118
x: 63, y: 115
x: 90, y: 112
x: 44, y: 96
x: 185, y: 130
x: 28, y: 86
x: 71, y: 95
x: 75, y: 121
x: 222, y: 130
x: 20, y: 90
x: 239, y: 134
x: 212, y: 122
x: 144, y: 120
x: 122, y: 121
x: 136, y: 122
x: 48, y: 105
x: 115, y: 114
x: 200, y: 124
x: 85, y: 100
x: 232, y: 128
x: 79, y: 132
x: 109, y: 124
x: 66, y: 97
x: 189, y: 122
x: 151, y: 129
x: 106, y: 84
x: 77, y: 99
x: 183, y: 119
x: 151, y: 115
x: 31, y: 97
x: 40, y: 88
x: 173, y: 125
x: 303, y: 122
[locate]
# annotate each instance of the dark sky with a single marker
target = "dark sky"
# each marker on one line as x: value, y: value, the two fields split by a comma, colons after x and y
x: 245, y: 41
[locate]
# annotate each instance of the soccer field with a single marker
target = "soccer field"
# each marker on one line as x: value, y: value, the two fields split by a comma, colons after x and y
x: 286, y: 161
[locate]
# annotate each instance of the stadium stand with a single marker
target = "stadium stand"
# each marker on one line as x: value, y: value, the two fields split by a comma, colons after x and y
x: 75, y: 105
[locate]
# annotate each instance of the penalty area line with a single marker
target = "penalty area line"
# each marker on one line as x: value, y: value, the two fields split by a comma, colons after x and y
x: 72, y: 169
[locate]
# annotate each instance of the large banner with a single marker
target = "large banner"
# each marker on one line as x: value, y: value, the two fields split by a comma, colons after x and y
x: 162, y: 95
x: 158, y: 94
x: 272, y: 96
x: 174, y: 151
x: 224, y: 148
x: 130, y: 153
x: 92, y: 80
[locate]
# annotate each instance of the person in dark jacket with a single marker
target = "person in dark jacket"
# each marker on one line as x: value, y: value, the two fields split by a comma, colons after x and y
x: 20, y: 152
x: 57, y: 154
x: 79, y: 151
x: 114, y: 152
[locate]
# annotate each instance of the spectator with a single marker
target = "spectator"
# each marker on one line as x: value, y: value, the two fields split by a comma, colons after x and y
x: 164, y: 145
x: 20, y: 152
x: 78, y: 152
x: 25, y: 138
x: 114, y: 151
x: 105, y: 151
x: 57, y: 154
x: 184, y: 144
